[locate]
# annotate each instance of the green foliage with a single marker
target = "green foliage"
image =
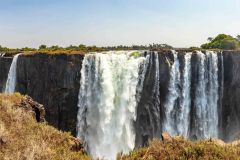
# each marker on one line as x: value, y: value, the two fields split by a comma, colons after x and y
x: 238, y: 37
x: 159, y: 46
x: 222, y: 41
x: 72, y: 49
x: 194, y: 48
x: 42, y: 47
x: 135, y: 54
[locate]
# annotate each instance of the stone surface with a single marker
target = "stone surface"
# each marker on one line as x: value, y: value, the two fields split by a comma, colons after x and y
x: 166, y: 137
x: 77, y: 145
x: 230, y: 111
x: 36, y: 109
x: 5, y: 64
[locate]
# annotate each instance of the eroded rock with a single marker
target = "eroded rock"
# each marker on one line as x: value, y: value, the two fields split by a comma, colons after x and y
x: 35, y: 108
x: 166, y: 137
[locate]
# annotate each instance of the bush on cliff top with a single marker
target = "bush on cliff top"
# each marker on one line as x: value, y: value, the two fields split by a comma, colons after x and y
x: 183, y: 149
x: 223, y: 41
x: 21, y: 137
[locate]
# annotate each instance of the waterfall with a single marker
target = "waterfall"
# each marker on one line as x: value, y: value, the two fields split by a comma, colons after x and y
x: 207, y: 96
x: 107, y: 102
x: 156, y: 91
x: 173, y: 95
x: 185, y: 101
x: 116, y: 87
x: 206, y: 100
x: 12, y: 76
x: 177, y: 106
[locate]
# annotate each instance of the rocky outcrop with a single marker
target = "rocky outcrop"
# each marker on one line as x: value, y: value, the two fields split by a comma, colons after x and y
x: 76, y: 145
x: 35, y: 108
x: 166, y: 137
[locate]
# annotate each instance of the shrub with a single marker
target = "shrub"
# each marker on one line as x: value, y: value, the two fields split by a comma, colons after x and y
x: 222, y: 41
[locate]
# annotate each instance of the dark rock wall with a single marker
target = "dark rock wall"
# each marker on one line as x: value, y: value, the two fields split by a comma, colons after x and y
x: 5, y: 64
x: 230, y: 115
x: 52, y: 80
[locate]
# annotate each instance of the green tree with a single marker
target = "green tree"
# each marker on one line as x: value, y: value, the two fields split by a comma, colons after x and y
x: 238, y: 37
x: 210, y: 39
x: 222, y: 41
x: 42, y: 47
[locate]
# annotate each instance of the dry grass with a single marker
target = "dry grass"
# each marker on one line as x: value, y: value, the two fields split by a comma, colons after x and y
x: 22, y: 138
x: 182, y: 149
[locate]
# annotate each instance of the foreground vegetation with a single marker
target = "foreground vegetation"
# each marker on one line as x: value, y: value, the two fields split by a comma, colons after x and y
x: 22, y: 138
x: 179, y: 148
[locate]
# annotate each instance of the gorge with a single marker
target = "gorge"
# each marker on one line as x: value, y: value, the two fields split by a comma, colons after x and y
x: 120, y: 99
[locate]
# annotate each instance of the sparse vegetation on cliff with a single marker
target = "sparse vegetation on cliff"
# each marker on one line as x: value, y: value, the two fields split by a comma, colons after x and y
x: 44, y: 49
x: 21, y: 137
x: 179, y: 148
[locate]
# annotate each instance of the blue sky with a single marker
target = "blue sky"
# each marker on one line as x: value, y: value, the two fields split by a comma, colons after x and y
x: 181, y: 23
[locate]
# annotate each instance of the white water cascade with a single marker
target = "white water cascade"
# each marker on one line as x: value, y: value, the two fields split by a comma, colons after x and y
x: 206, y: 95
x: 177, y: 114
x: 108, y: 100
x: 12, y: 76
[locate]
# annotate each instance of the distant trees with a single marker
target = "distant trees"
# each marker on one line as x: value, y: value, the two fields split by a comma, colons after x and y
x: 160, y: 46
x: 4, y: 49
x: 238, y: 37
x: 223, y: 41
x: 83, y: 48
x: 42, y: 47
x: 27, y: 49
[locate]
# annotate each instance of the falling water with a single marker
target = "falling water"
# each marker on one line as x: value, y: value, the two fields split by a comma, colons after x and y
x: 205, y: 102
x: 12, y: 76
x: 177, y: 113
x: 185, y: 100
x: 107, y: 102
x: 156, y: 91
x: 112, y: 86
x: 206, y: 96
x: 173, y: 95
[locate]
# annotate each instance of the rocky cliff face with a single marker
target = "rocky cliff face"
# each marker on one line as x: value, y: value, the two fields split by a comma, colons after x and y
x: 5, y: 64
x: 230, y: 114
x: 54, y: 81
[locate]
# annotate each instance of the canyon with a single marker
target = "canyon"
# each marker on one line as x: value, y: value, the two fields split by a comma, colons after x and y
x: 183, y: 92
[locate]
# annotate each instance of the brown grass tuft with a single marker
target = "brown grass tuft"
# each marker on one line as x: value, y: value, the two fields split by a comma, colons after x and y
x: 183, y: 149
x: 22, y: 138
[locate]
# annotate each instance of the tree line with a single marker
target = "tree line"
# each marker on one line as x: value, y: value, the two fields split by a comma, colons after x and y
x: 84, y: 48
x: 221, y: 41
